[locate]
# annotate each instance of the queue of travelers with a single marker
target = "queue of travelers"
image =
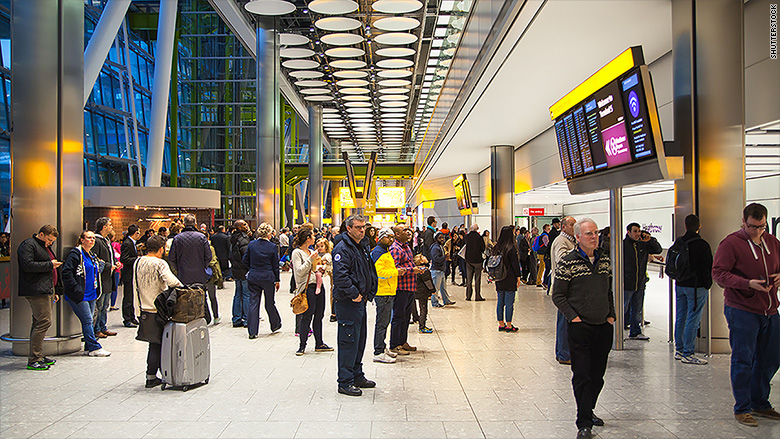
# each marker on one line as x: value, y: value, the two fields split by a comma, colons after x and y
x: 401, y: 270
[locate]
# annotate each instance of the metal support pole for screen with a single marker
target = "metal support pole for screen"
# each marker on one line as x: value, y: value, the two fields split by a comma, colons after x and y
x: 616, y: 256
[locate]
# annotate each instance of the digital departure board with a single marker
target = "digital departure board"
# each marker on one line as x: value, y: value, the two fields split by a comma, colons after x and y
x: 609, y: 128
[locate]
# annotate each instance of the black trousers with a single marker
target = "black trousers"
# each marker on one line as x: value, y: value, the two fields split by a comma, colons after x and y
x: 267, y: 290
x: 352, y: 340
x: 153, y: 358
x: 589, y: 346
x: 312, y: 317
x: 128, y: 310
x: 423, y: 311
x: 402, y: 312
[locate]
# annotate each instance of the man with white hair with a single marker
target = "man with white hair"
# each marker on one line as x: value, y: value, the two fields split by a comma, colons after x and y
x: 582, y: 291
x: 475, y: 246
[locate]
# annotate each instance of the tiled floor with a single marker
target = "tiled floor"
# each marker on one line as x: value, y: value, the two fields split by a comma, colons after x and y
x: 466, y: 381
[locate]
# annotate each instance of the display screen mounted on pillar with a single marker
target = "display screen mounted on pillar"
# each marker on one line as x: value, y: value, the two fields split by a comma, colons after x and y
x: 608, y: 123
x: 463, y: 194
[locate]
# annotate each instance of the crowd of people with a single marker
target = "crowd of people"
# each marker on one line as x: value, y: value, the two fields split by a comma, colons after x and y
x: 401, y: 270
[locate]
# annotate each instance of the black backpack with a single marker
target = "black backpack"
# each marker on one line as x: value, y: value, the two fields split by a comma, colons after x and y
x: 495, y: 268
x: 678, y: 259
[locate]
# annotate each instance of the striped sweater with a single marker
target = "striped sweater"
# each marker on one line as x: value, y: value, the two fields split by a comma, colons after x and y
x: 584, y: 289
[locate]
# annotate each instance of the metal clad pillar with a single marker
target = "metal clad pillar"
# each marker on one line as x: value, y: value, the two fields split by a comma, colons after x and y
x: 315, y: 165
x: 710, y: 129
x: 502, y: 187
x: 267, y: 122
x: 47, y: 148
x: 100, y: 42
x: 335, y: 204
x: 616, y: 257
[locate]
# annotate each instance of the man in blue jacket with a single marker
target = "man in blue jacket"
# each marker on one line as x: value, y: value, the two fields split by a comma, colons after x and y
x: 354, y: 283
x: 189, y: 256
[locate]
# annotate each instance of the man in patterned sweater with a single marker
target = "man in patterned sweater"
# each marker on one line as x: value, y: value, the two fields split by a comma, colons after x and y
x: 582, y: 292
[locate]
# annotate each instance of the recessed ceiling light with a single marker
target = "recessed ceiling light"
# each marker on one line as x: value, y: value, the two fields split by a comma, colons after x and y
x: 300, y: 64
x: 311, y: 83
x: 347, y: 64
x: 393, y: 97
x: 295, y: 53
x: 354, y: 98
x: 337, y: 24
x: 354, y: 91
x: 394, y: 74
x: 345, y: 52
x: 395, y: 51
x: 396, y: 6
x: 395, y: 38
x: 333, y: 7
x: 342, y: 39
x: 394, y: 63
x: 350, y: 74
x: 269, y: 7
x: 292, y: 39
x: 306, y: 74
x: 319, y: 98
x: 357, y: 104
x: 393, y: 91
x: 352, y: 83
x: 396, y: 23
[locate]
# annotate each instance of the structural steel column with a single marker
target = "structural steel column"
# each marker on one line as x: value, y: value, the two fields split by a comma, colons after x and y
x: 267, y: 172
x: 502, y: 187
x: 315, y: 165
x: 47, y: 148
x: 163, y: 61
x: 100, y: 42
x: 708, y: 42
x: 616, y: 257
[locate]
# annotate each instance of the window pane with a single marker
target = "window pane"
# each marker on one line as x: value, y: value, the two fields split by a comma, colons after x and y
x: 100, y: 133
x: 89, y: 138
x: 111, y: 135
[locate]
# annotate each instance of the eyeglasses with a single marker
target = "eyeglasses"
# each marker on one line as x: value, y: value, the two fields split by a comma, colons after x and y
x: 757, y: 227
x: 359, y: 227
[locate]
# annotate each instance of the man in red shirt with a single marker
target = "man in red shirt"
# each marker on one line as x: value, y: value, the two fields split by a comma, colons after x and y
x: 404, y: 296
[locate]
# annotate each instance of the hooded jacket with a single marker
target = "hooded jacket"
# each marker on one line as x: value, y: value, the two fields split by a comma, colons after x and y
x: 737, y: 261
x: 354, y: 273
x: 74, y: 277
x: 387, y: 273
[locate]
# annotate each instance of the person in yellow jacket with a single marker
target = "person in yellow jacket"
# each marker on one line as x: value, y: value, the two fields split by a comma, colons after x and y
x: 388, y: 282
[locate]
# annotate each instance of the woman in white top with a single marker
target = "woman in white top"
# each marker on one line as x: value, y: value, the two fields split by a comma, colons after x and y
x: 152, y: 277
x: 304, y: 263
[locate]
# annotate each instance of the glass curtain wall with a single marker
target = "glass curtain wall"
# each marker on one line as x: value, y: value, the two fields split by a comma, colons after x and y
x: 5, y: 113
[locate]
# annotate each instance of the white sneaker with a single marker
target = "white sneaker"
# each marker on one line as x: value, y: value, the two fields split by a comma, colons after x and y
x: 693, y: 359
x: 217, y: 320
x: 390, y: 353
x: 639, y: 336
x: 678, y: 355
x: 99, y: 353
x: 383, y: 358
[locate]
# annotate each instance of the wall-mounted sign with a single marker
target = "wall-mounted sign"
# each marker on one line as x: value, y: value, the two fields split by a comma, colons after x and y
x: 345, y: 197
x: 533, y: 211
x: 391, y: 197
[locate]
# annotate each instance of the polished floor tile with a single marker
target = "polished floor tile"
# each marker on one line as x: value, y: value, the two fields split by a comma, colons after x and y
x: 467, y: 380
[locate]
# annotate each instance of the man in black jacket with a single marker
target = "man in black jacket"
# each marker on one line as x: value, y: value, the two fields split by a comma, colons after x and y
x: 475, y: 246
x: 104, y: 251
x: 637, y: 248
x: 128, y: 255
x: 239, y: 242
x: 38, y: 277
x: 582, y: 291
x: 354, y: 283
x: 691, y: 291
x: 221, y: 243
x: 190, y: 253
x: 427, y: 236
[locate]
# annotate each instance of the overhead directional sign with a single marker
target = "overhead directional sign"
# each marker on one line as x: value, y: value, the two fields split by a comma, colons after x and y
x: 391, y: 197
x: 345, y: 197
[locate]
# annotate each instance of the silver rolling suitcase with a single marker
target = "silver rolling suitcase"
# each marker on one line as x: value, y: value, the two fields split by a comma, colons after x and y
x: 186, y: 354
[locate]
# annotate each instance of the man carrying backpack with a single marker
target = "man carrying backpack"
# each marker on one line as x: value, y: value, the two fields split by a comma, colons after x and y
x: 541, y: 247
x: 689, y: 263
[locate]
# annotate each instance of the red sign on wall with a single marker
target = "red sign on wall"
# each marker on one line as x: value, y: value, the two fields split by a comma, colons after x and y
x: 533, y: 211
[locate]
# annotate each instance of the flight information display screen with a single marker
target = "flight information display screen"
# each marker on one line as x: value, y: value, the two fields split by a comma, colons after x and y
x: 608, y: 129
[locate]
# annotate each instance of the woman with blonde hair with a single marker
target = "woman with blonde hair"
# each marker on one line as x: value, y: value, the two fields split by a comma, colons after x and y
x: 262, y: 260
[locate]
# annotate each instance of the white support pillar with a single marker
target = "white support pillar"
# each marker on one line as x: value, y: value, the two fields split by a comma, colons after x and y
x: 163, y: 60
x: 100, y: 43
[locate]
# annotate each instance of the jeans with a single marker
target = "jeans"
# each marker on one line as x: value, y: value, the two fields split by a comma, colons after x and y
x: 240, y: 302
x: 506, y: 306
x: 473, y: 271
x: 84, y: 311
x: 384, y: 310
x: 547, y: 271
x: 755, y: 357
x: 268, y: 291
x: 562, y: 339
x: 115, y: 293
x: 101, y: 312
x: 590, y: 346
x: 402, y: 311
x: 352, y: 341
x: 634, y: 301
x: 312, y: 318
x: 439, y: 281
x: 41, y: 321
x: 689, y: 304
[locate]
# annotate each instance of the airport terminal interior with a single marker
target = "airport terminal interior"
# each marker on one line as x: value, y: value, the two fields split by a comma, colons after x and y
x: 274, y: 120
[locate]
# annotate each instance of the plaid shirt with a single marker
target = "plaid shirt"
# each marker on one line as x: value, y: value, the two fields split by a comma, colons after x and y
x: 402, y: 255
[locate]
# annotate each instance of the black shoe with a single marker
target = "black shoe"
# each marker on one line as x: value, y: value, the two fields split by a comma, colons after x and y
x: 333, y: 319
x: 130, y: 325
x: 49, y: 361
x: 646, y: 323
x: 238, y: 325
x: 153, y: 383
x: 300, y: 351
x: 468, y: 299
x: 584, y: 433
x: 479, y: 299
x: 252, y: 337
x: 365, y: 384
x: 350, y: 390
x: 598, y: 422
x: 37, y: 365
x: 323, y: 348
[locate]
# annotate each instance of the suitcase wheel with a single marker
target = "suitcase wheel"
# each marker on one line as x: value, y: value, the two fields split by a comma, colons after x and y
x: 163, y: 386
x: 185, y: 388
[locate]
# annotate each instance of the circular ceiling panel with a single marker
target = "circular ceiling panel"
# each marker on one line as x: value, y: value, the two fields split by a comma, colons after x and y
x: 350, y: 74
x: 393, y: 110
x: 395, y: 38
x: 354, y: 91
x: 360, y: 116
x: 359, y: 110
x: 306, y: 74
x: 341, y: 39
x: 311, y: 83
x: 330, y: 110
x: 393, y: 118
x: 300, y: 64
x: 347, y: 64
x: 392, y: 51
x: 296, y: 53
x: 394, y: 74
x: 396, y: 6
x: 345, y: 52
x: 396, y: 23
x: 363, y: 129
x: 269, y: 7
x: 392, y: 103
x: 394, y: 82
x: 381, y: 98
x: 337, y: 24
x: 394, y: 63
x: 394, y: 91
x: 356, y: 98
x: 319, y: 98
x: 357, y: 104
x: 333, y: 7
x: 317, y: 91
x: 292, y: 40
x: 352, y: 83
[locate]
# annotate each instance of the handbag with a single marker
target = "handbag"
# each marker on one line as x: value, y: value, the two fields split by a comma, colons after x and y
x: 462, y: 253
x: 190, y: 303
x: 299, y: 302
